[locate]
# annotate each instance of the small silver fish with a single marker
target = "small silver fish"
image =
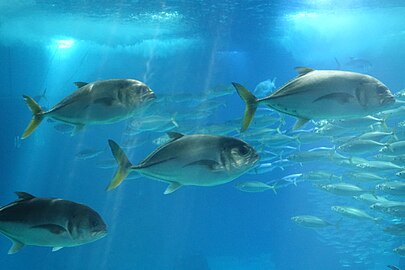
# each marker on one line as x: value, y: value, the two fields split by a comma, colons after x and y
x: 254, y: 186
x: 311, y: 221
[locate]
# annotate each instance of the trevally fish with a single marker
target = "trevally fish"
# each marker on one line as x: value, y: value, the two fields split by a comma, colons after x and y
x: 198, y: 160
x: 358, y: 146
x: 322, y: 94
x: 311, y: 221
x: 47, y: 222
x: 99, y: 102
x: 353, y: 213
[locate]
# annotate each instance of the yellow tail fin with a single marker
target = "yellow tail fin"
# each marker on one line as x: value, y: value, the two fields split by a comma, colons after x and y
x: 251, y: 105
x: 37, y: 116
x: 124, y: 166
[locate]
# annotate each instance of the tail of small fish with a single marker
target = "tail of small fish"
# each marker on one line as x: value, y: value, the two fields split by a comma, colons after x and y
x: 37, y: 116
x: 124, y: 165
x: 251, y: 104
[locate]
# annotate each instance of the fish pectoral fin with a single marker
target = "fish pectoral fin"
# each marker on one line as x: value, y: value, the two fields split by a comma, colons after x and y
x: 56, y: 249
x: 107, y: 101
x: 53, y: 228
x: 17, y: 246
x: 80, y: 84
x: 338, y: 97
x: 211, y: 164
x: 300, y: 122
x: 77, y: 129
x: 173, y: 186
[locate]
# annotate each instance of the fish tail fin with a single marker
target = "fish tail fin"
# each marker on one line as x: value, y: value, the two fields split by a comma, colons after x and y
x: 173, y: 120
x: 37, y: 116
x: 251, y: 104
x: 274, y: 188
x: 124, y: 165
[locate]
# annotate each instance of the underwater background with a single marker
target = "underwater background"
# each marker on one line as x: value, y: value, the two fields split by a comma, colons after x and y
x: 189, y: 52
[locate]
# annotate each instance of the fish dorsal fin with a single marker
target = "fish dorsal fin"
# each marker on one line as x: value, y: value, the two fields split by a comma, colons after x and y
x: 24, y: 196
x: 17, y: 246
x: 173, y: 186
x: 303, y: 70
x: 80, y: 84
x: 174, y: 135
x: 56, y: 249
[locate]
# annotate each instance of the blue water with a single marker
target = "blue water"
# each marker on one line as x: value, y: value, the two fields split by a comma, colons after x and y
x: 183, y: 49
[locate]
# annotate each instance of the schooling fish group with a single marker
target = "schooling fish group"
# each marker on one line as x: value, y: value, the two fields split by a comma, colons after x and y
x: 196, y: 159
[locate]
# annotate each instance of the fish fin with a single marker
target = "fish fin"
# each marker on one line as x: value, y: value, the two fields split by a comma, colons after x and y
x: 303, y: 70
x: 174, y: 135
x: 24, y: 196
x: 211, y: 164
x: 124, y: 165
x: 37, y: 116
x: 17, y: 246
x: 173, y: 186
x: 53, y: 228
x: 77, y: 129
x: 339, y: 97
x: 300, y: 122
x: 80, y: 84
x: 56, y: 249
x: 251, y: 104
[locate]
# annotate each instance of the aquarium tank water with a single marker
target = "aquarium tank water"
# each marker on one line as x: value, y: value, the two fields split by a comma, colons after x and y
x: 202, y: 135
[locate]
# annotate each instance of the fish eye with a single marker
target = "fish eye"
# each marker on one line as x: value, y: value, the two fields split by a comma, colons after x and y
x: 244, y: 150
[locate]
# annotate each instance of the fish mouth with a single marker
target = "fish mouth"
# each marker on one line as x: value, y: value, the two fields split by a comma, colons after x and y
x: 99, y: 234
x: 149, y: 96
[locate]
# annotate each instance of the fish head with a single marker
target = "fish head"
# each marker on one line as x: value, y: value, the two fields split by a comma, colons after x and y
x: 297, y: 219
x: 137, y: 93
x: 374, y: 95
x: 238, y: 155
x: 85, y: 225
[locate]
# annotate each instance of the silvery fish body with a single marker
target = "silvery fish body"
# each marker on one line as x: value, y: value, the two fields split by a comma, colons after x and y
x: 199, y: 160
x: 99, y: 102
x: 254, y: 186
x: 323, y: 94
x: 53, y: 223
x: 392, y: 188
x: 310, y: 221
x: 343, y: 189
x: 353, y: 212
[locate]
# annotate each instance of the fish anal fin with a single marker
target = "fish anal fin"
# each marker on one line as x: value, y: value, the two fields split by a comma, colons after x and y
x: 80, y: 84
x: 24, y: 196
x: 303, y: 70
x: 17, y: 246
x: 53, y: 228
x: 173, y: 186
x: 56, y: 249
x: 77, y: 129
x: 300, y: 122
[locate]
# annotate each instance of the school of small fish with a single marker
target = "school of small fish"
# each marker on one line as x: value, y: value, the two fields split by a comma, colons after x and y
x: 354, y: 116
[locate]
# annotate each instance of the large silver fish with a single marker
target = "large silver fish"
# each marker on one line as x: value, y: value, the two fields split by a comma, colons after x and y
x: 197, y: 160
x: 99, y: 102
x: 322, y: 94
x: 53, y: 223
